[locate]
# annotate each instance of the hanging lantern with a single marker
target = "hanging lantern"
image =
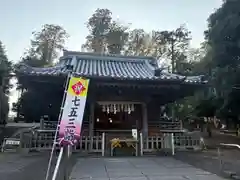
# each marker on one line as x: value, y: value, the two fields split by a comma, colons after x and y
x: 103, y: 108
x: 128, y: 109
x: 114, y: 109
x: 125, y: 108
x: 118, y: 107
x: 122, y: 107
x: 110, y: 108
x: 132, y: 107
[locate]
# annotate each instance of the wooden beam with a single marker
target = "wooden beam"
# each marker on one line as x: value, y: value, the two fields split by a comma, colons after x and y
x: 118, y: 102
x: 138, y: 85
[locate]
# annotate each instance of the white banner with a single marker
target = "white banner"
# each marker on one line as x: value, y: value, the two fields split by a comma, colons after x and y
x: 72, y: 117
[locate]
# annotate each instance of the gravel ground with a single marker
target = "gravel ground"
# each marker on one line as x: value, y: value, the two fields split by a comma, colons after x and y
x: 27, y: 167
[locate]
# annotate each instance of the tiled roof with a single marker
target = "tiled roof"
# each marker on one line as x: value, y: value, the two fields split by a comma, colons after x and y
x: 25, y: 69
x: 89, y: 65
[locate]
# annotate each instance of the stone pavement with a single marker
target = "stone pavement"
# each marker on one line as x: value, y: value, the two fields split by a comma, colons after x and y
x: 15, y: 166
x: 137, y: 168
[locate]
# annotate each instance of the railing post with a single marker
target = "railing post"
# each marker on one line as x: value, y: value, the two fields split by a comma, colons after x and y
x: 219, y: 158
x: 164, y: 139
x: 21, y: 141
x: 41, y: 123
x: 141, y: 144
x: 172, y: 144
x: 91, y: 143
x: 103, y: 144
x: 3, y: 145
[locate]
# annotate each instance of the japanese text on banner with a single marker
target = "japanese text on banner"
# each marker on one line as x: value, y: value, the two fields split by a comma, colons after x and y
x: 71, y: 121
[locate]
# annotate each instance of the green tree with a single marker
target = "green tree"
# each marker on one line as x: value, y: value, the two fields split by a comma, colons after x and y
x: 223, y: 38
x: 116, y: 38
x: 141, y: 43
x: 98, y: 25
x: 177, y: 42
x: 5, y: 71
x: 45, y: 46
x: 47, y: 42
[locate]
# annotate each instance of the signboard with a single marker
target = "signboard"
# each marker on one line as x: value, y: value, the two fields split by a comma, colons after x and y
x: 10, y: 144
x: 134, y: 133
x: 72, y: 116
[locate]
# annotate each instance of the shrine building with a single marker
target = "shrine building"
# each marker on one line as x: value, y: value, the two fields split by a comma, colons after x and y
x: 125, y: 92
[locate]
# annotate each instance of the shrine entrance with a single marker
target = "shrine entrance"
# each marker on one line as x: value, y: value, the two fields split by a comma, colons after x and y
x: 117, y: 120
x: 117, y: 117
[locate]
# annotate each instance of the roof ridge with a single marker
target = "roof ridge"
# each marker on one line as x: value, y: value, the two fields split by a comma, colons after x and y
x: 105, y: 55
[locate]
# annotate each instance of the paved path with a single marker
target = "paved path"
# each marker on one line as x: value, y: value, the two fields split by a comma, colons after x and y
x: 151, y: 168
x: 15, y: 166
x: 26, y: 167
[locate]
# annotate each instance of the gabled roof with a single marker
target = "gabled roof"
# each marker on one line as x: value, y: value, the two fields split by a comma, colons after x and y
x: 108, y: 66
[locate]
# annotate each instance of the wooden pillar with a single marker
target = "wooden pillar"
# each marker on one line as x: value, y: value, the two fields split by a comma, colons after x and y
x: 145, y: 120
x: 91, y: 119
x: 91, y: 124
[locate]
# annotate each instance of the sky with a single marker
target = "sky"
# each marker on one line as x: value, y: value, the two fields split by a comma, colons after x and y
x: 19, y: 18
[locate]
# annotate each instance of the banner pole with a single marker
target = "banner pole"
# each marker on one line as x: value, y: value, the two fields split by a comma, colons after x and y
x: 59, y: 119
x: 58, y: 164
x: 70, y: 119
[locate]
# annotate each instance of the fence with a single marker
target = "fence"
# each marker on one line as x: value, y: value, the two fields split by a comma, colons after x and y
x: 166, y: 125
x: 169, y: 142
x: 91, y: 144
x: 40, y: 140
x: 157, y: 143
x: 46, y: 125
x: 185, y: 141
